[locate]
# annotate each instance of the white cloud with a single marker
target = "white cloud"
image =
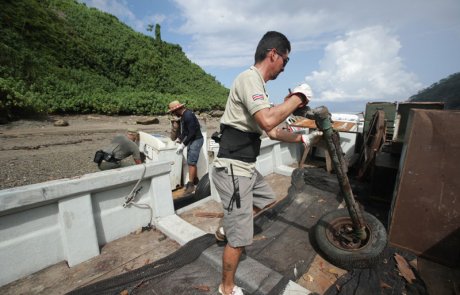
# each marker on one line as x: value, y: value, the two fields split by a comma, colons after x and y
x: 236, y: 25
x: 119, y: 8
x: 363, y: 65
x: 230, y: 30
x: 115, y: 7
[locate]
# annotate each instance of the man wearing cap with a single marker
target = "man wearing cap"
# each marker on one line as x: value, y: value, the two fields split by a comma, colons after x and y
x: 248, y: 113
x: 121, y: 147
x: 190, y: 137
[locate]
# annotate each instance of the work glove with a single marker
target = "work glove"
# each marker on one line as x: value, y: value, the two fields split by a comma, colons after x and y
x: 304, y: 90
x: 307, y: 139
x: 180, y: 149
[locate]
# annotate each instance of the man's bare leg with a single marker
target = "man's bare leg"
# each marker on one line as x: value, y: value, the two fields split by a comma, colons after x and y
x: 192, y: 173
x: 230, y: 260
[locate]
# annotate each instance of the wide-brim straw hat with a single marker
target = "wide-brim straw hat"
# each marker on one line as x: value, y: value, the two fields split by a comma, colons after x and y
x: 175, y: 105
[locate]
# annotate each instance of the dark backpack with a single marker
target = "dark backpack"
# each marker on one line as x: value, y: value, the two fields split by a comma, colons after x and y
x: 99, y: 156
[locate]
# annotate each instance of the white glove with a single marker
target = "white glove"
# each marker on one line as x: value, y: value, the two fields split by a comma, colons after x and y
x: 305, y: 90
x: 308, y: 138
x: 180, y: 149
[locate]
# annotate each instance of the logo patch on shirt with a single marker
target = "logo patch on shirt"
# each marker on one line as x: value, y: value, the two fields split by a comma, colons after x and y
x: 257, y: 97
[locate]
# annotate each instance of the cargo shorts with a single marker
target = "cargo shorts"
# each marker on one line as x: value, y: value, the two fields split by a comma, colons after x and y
x: 254, y: 191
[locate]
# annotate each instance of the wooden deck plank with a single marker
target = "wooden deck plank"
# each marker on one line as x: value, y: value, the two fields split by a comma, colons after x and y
x: 116, y: 257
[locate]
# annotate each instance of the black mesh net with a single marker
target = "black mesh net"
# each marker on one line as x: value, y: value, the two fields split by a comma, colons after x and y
x: 179, y: 273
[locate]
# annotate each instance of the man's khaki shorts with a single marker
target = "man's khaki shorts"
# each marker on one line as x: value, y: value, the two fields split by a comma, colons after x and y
x: 254, y: 191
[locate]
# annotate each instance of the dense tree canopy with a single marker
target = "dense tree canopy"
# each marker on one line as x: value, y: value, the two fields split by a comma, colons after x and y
x: 447, y: 90
x: 59, y: 56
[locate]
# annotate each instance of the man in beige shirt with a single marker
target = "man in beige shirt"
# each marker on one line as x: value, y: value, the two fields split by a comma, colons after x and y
x: 248, y: 113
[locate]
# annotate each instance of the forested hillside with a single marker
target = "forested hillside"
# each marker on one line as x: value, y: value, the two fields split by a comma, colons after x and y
x: 447, y: 90
x: 59, y: 56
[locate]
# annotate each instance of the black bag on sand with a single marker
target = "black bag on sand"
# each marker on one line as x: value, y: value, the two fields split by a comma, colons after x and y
x: 99, y: 156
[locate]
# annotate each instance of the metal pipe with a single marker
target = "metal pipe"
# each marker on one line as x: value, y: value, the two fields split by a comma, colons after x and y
x: 322, y: 118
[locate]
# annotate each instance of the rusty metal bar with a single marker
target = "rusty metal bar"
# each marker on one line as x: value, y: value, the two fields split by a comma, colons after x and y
x: 322, y: 118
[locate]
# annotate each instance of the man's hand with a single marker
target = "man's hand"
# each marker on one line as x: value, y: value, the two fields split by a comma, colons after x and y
x: 308, y: 138
x: 304, y: 91
x: 180, y: 149
x: 302, y: 111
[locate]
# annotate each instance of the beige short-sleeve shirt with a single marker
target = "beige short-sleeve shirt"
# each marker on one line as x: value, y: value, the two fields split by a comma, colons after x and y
x: 247, y: 96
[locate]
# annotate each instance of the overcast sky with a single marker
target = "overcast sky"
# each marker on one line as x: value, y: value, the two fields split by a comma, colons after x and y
x: 350, y: 52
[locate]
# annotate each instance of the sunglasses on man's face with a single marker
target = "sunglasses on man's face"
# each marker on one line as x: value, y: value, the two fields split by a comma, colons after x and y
x: 285, y: 59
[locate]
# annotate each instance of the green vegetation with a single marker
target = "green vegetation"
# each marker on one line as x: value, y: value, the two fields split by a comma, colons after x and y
x: 59, y: 56
x: 447, y: 90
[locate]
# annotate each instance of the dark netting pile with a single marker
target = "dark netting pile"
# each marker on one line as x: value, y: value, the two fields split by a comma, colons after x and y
x: 174, y: 274
x: 282, y: 243
x: 383, y: 279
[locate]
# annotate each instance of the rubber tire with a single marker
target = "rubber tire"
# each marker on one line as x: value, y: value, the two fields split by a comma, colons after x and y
x: 203, y: 188
x: 366, y: 257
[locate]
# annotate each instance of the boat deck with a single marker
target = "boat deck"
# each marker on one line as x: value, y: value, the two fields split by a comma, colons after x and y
x: 143, y: 247
x: 125, y: 254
